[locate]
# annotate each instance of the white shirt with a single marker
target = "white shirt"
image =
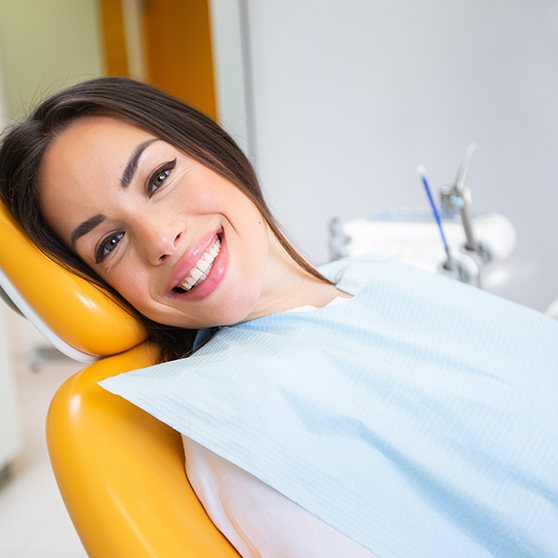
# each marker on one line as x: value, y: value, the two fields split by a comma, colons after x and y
x: 258, y: 520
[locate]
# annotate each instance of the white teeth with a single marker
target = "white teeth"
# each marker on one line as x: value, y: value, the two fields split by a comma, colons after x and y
x: 201, y: 270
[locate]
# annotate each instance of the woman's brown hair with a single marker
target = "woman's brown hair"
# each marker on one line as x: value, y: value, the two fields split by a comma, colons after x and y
x: 24, y: 145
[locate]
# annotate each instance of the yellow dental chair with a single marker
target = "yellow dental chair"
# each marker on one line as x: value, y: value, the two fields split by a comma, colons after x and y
x: 120, y: 471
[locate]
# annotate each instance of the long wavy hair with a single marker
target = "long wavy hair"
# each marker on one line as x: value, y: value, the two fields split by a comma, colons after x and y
x: 23, y: 146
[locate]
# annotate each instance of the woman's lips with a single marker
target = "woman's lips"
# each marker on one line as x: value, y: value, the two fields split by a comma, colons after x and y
x: 215, y: 275
x: 190, y: 258
x: 202, y: 268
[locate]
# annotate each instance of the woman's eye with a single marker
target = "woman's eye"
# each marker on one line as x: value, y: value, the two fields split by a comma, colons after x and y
x: 107, y: 245
x: 157, y: 179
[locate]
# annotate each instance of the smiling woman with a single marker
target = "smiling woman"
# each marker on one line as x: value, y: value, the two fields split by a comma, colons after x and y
x: 177, y: 240
x: 137, y: 187
x: 374, y: 410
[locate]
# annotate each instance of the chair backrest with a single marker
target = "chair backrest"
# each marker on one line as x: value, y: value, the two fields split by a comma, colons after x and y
x: 121, y: 472
x: 68, y: 310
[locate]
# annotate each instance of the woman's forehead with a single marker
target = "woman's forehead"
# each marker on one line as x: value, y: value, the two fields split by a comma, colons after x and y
x: 90, y: 148
x: 81, y: 161
x: 98, y: 132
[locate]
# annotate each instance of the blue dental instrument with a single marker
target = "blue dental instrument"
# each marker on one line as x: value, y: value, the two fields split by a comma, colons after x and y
x: 449, y: 263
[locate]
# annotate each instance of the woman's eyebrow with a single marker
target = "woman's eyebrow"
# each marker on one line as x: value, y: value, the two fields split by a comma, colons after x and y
x: 85, y: 227
x: 132, y: 165
x: 127, y: 176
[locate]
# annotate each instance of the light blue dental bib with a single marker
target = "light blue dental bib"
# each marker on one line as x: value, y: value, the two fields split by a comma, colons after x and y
x: 420, y: 418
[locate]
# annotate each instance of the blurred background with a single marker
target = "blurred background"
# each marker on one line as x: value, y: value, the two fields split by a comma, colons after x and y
x: 335, y: 103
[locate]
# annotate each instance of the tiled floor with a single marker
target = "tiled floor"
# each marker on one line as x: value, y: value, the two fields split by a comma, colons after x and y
x: 33, y: 520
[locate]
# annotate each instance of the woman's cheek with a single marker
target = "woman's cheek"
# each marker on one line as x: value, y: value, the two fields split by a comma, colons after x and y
x: 133, y: 287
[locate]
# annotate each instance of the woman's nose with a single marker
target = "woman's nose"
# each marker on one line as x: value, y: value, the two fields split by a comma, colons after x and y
x: 160, y: 239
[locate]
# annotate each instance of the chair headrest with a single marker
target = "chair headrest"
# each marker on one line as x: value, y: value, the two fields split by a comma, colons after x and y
x: 76, y: 316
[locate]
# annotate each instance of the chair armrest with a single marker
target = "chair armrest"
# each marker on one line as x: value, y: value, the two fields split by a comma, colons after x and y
x: 121, y: 472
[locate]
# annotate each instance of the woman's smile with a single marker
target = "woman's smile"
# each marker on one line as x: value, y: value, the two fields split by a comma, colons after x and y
x: 202, y: 268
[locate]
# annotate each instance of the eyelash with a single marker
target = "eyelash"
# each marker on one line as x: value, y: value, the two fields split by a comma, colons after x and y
x: 157, y: 179
x: 107, y: 245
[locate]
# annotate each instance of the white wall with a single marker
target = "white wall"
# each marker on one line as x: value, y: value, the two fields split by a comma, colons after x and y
x: 3, y: 110
x: 229, y: 59
x: 349, y: 97
x: 9, y: 428
x: 45, y: 46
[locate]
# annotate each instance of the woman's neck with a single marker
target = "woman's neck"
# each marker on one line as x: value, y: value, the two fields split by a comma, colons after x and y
x: 290, y: 286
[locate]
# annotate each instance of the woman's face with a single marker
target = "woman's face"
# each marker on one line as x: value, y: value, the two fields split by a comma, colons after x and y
x: 181, y: 243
